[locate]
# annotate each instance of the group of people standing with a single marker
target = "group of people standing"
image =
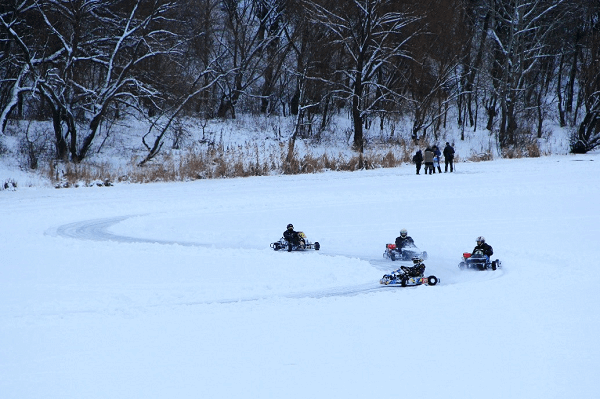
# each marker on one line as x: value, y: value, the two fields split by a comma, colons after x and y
x: 432, y: 157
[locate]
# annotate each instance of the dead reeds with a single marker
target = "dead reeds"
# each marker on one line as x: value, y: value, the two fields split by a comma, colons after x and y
x: 221, y: 161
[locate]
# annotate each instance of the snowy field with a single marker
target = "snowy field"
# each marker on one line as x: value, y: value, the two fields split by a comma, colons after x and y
x: 171, y: 290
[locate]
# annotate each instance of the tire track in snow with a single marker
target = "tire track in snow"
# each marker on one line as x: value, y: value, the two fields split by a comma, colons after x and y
x: 97, y: 230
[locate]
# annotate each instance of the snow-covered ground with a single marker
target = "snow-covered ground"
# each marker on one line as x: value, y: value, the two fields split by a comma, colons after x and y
x: 171, y: 290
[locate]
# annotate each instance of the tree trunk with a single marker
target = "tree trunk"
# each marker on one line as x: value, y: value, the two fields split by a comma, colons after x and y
x: 571, y: 85
x: 561, y: 111
x: 477, y: 63
x: 357, y: 119
x: 357, y: 122
x: 62, y: 150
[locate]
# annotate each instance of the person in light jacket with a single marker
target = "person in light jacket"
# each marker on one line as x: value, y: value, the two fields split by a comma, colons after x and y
x: 428, y: 158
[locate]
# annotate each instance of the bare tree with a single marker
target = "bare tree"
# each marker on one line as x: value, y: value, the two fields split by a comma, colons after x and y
x: 96, y: 49
x: 240, y: 50
x: 521, y: 31
x: 199, y: 86
x: 371, y: 34
x: 430, y: 76
x: 588, y: 133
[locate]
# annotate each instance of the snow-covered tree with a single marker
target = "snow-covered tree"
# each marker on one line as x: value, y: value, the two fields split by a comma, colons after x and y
x: 85, y: 58
x: 588, y: 133
x: 371, y: 35
x: 521, y: 31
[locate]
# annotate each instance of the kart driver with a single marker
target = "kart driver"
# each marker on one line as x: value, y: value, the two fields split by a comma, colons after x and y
x: 483, y: 247
x: 292, y: 236
x: 404, y: 241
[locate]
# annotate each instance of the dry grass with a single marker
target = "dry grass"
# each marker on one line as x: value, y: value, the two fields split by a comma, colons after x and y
x: 225, y: 162
x: 528, y: 149
x: 478, y: 157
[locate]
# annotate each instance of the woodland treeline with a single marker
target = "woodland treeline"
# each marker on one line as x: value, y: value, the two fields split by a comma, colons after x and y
x: 507, y: 65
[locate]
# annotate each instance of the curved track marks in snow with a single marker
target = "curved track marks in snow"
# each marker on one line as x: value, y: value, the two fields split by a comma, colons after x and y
x: 97, y: 230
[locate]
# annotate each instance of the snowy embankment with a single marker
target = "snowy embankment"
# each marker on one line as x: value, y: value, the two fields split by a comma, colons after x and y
x: 171, y: 290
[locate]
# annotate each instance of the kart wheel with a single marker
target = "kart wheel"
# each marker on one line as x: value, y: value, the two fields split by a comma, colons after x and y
x: 481, y: 266
x: 403, y: 282
x: 392, y: 256
x: 494, y: 265
x: 289, y: 248
x: 462, y: 265
x: 432, y: 280
x: 317, y: 246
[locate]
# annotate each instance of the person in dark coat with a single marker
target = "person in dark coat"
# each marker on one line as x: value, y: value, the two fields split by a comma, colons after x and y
x: 292, y: 236
x: 404, y: 240
x: 418, y: 160
x: 484, y: 247
x: 449, y: 157
x: 437, y: 155
x: 428, y: 158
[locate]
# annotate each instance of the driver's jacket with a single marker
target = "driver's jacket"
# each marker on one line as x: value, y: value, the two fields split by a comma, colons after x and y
x: 404, y: 242
x: 485, y: 248
x: 291, y: 236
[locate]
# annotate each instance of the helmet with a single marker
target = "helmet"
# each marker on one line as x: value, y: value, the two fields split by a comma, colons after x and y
x: 480, y: 240
x: 290, y: 226
x: 403, y: 232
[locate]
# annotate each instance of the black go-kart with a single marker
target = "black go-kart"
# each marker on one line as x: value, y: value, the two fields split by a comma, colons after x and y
x: 478, y: 261
x: 302, y: 245
x: 409, y: 276
x: 403, y: 254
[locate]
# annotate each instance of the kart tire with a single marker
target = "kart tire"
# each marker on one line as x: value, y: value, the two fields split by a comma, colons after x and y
x: 481, y: 266
x: 392, y: 256
x: 462, y: 265
x: 403, y: 282
x: 432, y: 280
x: 494, y: 265
x: 289, y: 249
x: 317, y: 246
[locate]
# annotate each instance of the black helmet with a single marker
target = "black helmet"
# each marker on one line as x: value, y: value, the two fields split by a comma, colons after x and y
x: 480, y: 240
x: 290, y: 226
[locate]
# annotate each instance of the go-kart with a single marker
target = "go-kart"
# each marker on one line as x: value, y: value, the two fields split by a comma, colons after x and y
x: 302, y: 245
x: 404, y: 254
x: 409, y: 276
x: 478, y: 261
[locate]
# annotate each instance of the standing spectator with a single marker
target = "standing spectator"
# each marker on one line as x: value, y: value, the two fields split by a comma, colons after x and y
x: 418, y: 160
x: 437, y: 155
x: 449, y: 157
x: 428, y: 158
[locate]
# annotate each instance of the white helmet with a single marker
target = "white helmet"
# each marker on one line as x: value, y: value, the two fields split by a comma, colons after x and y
x: 403, y: 232
x: 480, y: 240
